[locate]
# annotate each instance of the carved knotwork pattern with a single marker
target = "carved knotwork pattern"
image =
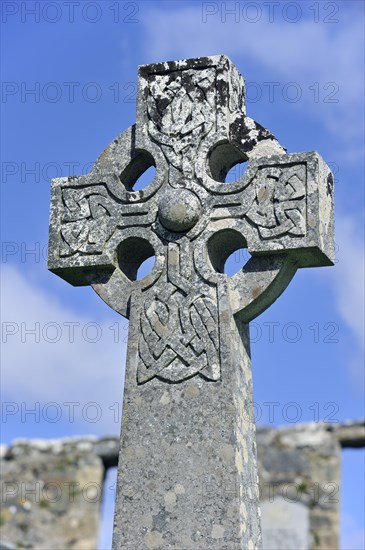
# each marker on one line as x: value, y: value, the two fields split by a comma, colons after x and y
x: 181, y: 111
x: 279, y: 207
x: 179, y: 328
x: 91, y: 214
x: 88, y: 220
x: 179, y: 338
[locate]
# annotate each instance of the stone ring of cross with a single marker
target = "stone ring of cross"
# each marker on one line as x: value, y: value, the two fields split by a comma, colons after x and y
x: 192, y: 126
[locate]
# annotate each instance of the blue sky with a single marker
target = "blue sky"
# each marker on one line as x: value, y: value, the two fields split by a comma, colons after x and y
x: 69, y: 74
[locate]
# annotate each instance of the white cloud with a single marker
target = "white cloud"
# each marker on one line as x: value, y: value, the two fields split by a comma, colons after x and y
x: 48, y: 366
x: 347, y: 281
x: 349, y: 275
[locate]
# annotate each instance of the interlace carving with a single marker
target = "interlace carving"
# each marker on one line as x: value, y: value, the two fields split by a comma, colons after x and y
x: 279, y: 206
x: 88, y: 220
x: 179, y: 337
x: 90, y: 216
x: 181, y: 111
x: 179, y: 330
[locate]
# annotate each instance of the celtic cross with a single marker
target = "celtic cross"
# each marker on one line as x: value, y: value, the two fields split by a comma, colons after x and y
x: 187, y: 471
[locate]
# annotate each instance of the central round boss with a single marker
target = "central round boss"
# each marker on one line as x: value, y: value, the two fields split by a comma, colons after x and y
x: 179, y: 210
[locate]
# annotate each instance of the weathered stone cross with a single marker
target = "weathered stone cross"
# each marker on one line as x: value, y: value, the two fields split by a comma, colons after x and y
x: 187, y: 470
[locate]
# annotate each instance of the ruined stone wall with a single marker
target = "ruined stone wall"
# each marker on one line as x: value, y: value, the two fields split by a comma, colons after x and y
x: 299, y: 480
x: 299, y: 472
x: 52, y: 490
x: 51, y: 494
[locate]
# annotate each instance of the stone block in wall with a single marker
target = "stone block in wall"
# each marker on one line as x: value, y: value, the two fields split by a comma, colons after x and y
x: 51, y: 494
x: 299, y: 472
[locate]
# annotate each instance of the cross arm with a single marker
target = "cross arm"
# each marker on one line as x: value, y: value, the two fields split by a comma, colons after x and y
x: 281, y: 209
x: 88, y: 212
x: 81, y: 219
x: 292, y: 208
